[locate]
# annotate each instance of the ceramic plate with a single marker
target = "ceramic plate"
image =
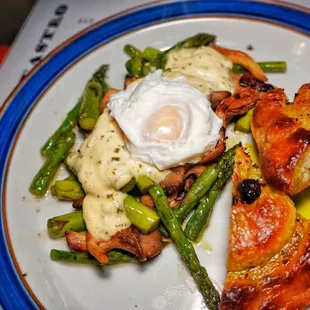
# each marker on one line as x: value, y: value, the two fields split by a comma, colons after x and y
x: 29, y: 279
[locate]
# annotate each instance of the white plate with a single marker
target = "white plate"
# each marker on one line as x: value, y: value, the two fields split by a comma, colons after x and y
x: 30, y: 279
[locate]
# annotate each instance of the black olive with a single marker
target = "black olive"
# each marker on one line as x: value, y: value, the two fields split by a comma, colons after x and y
x: 249, y: 190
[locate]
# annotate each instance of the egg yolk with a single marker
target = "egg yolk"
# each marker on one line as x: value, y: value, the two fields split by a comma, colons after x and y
x: 166, y: 124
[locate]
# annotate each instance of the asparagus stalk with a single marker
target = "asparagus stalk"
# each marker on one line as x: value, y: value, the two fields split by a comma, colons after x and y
x: 134, y: 66
x: 185, y: 248
x: 197, y: 191
x: 67, y: 190
x: 243, y: 124
x: 66, y: 126
x: 199, y: 39
x: 144, y: 183
x: 202, y: 214
x: 141, y: 63
x: 93, y: 93
x: 100, y: 77
x: 115, y: 257
x: 43, y: 178
x: 141, y: 216
x: 163, y: 231
x: 57, y: 226
x: 129, y: 186
x: 150, y: 53
x: 266, y: 66
x: 132, y: 51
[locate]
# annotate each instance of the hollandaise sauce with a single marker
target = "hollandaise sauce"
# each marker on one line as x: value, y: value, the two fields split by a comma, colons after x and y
x: 103, y: 166
x: 203, y: 67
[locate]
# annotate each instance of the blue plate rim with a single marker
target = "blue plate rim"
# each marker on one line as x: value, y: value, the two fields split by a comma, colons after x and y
x: 14, y: 290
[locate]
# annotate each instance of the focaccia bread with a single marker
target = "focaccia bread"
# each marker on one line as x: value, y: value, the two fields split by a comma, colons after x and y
x: 282, y: 135
x: 268, y: 264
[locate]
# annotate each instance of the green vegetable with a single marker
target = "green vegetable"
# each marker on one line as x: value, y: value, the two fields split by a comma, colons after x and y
x: 100, y: 77
x: 302, y: 203
x: 200, y: 39
x: 132, y: 51
x: 56, y: 147
x: 146, y: 69
x: 151, y: 59
x: 93, y: 93
x: 71, y: 177
x: 273, y: 66
x: 163, y: 231
x: 129, y: 186
x: 67, y: 189
x: 43, y: 178
x: 57, y: 226
x: 150, y: 53
x: 134, y: 66
x: 197, y: 191
x: 144, y: 183
x: 252, y: 150
x: 266, y: 66
x: 115, y: 257
x: 66, y: 126
x: 141, y: 216
x: 185, y: 248
x: 202, y: 214
x: 243, y: 124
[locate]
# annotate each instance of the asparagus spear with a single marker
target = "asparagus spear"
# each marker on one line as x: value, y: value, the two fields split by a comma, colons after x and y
x: 144, y: 183
x: 100, y: 77
x: 150, y: 53
x: 132, y: 51
x: 202, y: 214
x: 197, y: 191
x: 66, y: 126
x: 57, y: 226
x: 129, y: 186
x: 67, y: 190
x: 266, y: 66
x: 87, y: 111
x: 141, y: 216
x: 163, y: 231
x: 199, y: 39
x: 115, y: 257
x: 243, y: 124
x: 142, y: 63
x: 43, y: 178
x: 93, y: 93
x: 185, y: 248
x: 134, y: 66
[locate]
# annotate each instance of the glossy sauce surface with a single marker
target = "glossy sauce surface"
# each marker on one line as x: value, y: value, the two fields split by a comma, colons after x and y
x: 104, y: 166
x: 203, y: 67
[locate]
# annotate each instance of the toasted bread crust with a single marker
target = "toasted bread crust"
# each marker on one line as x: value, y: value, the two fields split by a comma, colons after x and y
x: 282, y: 135
x: 272, y: 272
x: 281, y: 283
x: 260, y: 229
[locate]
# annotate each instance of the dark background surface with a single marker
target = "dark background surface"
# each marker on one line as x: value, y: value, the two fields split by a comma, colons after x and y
x: 13, y: 14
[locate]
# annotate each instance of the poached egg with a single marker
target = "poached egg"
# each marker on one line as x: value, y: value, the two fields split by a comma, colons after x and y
x: 167, y: 122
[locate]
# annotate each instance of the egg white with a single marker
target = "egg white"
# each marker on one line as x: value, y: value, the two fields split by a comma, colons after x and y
x: 184, y: 135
